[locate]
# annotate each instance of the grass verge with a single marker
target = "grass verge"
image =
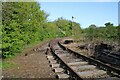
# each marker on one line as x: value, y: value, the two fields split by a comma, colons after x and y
x: 5, y: 65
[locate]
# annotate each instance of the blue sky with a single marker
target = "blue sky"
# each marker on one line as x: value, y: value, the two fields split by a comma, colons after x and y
x: 85, y: 13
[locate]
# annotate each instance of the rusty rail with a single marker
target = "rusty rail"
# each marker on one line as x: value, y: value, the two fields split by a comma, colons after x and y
x: 99, y: 64
x: 71, y: 71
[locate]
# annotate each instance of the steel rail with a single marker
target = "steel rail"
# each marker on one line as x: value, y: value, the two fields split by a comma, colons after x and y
x: 71, y: 71
x: 99, y: 64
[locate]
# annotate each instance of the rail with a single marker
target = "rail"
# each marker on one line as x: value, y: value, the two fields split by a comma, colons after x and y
x: 71, y: 71
x: 99, y: 64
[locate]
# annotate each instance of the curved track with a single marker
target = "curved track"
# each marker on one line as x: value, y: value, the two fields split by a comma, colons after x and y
x: 74, y: 66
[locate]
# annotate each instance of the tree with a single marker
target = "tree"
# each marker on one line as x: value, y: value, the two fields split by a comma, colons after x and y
x: 107, y: 32
x: 92, y: 32
x: 65, y: 27
x: 22, y: 25
x: 108, y: 24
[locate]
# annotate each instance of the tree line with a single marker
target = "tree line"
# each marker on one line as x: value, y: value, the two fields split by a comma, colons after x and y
x: 24, y: 23
x: 107, y: 32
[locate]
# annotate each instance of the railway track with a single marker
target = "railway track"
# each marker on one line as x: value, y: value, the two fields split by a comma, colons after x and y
x: 74, y: 66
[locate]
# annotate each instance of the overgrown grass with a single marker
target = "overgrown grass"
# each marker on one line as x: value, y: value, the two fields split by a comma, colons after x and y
x: 5, y: 65
x: 36, y: 43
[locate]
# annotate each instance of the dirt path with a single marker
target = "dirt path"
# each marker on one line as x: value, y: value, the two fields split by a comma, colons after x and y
x: 30, y: 64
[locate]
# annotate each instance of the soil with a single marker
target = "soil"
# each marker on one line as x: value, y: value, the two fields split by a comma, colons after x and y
x: 32, y: 63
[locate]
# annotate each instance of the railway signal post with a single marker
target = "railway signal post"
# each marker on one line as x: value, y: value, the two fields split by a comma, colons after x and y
x: 72, y: 26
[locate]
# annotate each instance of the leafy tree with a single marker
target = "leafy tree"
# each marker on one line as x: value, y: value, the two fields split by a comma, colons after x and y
x: 25, y: 23
x: 22, y: 25
x: 107, y: 32
x: 91, y: 32
x: 65, y: 27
